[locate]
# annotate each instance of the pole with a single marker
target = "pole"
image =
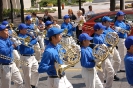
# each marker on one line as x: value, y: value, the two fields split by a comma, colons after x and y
x: 59, y: 9
x: 112, y: 5
x: 79, y: 4
x: 122, y: 4
x: 11, y: 11
x: 22, y: 11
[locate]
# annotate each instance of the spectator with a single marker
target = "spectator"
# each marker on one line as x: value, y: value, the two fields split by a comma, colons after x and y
x: 89, y: 13
x: 132, y: 6
x: 34, y: 16
x: 83, y: 11
x: 47, y: 16
x: 55, y: 24
x: 41, y: 24
x: 72, y: 16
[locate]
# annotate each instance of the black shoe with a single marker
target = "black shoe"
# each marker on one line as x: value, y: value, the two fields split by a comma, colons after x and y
x: 104, y: 81
x: 116, y: 78
x: 33, y: 86
x: 121, y: 71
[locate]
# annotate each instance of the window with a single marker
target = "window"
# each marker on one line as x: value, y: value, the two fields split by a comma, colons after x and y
x: 129, y: 17
x: 98, y: 19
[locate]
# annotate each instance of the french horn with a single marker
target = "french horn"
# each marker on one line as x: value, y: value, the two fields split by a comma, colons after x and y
x: 100, y: 52
x: 70, y: 55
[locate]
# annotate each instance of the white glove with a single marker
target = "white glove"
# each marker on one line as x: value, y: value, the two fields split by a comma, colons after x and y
x: 17, y: 43
x: 31, y: 33
x: 13, y: 39
x: 117, y: 29
x: 38, y: 38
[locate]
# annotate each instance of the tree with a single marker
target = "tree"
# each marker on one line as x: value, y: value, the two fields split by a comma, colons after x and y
x: 11, y: 13
x: 1, y: 10
x: 112, y: 5
x: 59, y: 9
x: 122, y: 4
x: 22, y: 11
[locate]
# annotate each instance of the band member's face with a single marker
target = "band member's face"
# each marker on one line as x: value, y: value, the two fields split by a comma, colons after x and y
x: 23, y: 31
x: 100, y: 31
x: 86, y: 43
x: 40, y: 21
x: 4, y: 34
x: 107, y: 23
x: 28, y: 22
x: 121, y: 17
x: 57, y: 38
x: 67, y: 20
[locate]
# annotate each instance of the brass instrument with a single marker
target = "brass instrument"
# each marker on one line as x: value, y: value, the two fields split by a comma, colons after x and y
x: 70, y: 57
x: 14, y: 34
x: 112, y: 39
x: 123, y: 31
x: 100, y: 52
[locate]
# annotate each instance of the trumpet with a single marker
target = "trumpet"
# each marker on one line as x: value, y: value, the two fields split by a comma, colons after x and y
x: 123, y: 31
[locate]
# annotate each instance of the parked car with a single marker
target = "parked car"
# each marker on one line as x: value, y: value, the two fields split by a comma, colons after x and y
x: 88, y: 26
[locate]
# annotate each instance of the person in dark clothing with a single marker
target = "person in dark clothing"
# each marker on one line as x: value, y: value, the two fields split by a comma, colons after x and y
x: 72, y: 16
x: 47, y: 17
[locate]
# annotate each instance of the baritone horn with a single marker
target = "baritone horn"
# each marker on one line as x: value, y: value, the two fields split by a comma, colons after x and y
x: 100, y: 52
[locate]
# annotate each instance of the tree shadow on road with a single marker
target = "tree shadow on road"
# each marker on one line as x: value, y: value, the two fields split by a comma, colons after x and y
x: 77, y: 76
x: 43, y: 78
x: 79, y: 85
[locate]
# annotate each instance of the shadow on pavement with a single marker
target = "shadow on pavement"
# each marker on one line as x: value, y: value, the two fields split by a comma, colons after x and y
x: 77, y: 76
x: 79, y: 85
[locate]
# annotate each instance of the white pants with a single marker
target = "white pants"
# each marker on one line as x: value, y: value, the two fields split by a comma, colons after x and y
x: 91, y: 78
x: 115, y: 59
x: 122, y: 52
x: 16, y: 57
x: 8, y: 73
x: 131, y: 86
x: 59, y: 83
x: 37, y: 51
x: 108, y: 68
x: 30, y: 72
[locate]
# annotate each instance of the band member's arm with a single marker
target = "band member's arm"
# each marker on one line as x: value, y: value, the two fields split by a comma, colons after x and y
x: 6, y: 50
x: 86, y: 62
x: 44, y: 65
x: 33, y: 41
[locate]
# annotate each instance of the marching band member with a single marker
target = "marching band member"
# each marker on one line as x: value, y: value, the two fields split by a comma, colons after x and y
x: 30, y: 72
x: 121, y: 48
x: 8, y: 69
x: 67, y: 38
x: 116, y: 57
x: 28, y: 21
x: 15, y: 52
x: 87, y: 61
x: 128, y: 60
x: 80, y: 21
x: 50, y: 56
x: 99, y: 38
x: 48, y: 25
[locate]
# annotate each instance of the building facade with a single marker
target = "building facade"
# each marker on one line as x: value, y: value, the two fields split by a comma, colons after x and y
x: 16, y: 4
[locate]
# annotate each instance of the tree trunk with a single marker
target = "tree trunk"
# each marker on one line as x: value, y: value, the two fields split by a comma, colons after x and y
x: 112, y: 5
x: 122, y: 4
x: 11, y: 13
x: 1, y: 10
x: 22, y: 11
x: 59, y: 9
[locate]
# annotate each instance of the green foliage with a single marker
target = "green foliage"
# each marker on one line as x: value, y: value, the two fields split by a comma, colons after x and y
x: 44, y: 3
x: 89, y: 0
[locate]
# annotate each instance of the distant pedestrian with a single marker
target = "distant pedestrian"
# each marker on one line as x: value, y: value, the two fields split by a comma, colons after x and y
x: 47, y: 16
x: 89, y: 13
x: 71, y: 15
